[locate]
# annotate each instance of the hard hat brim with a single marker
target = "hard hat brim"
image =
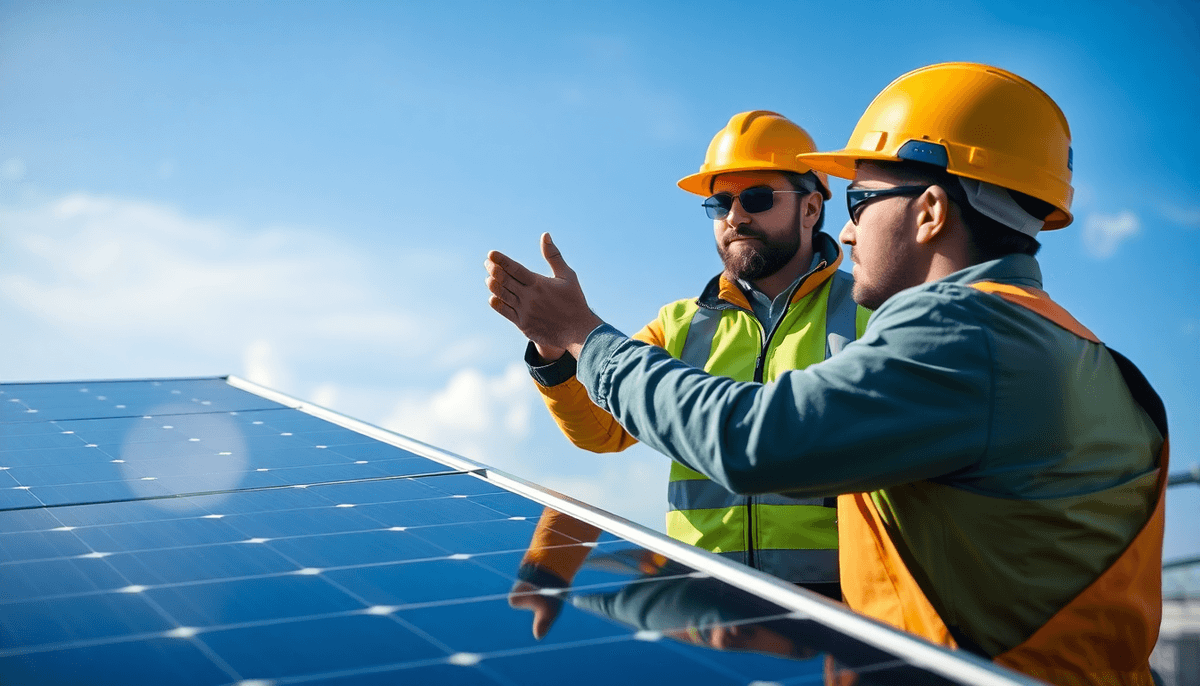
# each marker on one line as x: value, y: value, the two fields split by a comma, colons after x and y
x: 841, y: 163
x: 696, y: 183
x: 701, y: 182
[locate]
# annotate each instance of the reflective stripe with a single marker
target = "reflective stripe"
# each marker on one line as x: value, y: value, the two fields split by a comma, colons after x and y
x: 783, y: 499
x: 703, y: 494
x: 797, y: 566
x: 718, y: 531
x: 840, y: 314
x: 700, y: 494
x: 698, y: 344
x: 792, y: 538
x: 795, y: 527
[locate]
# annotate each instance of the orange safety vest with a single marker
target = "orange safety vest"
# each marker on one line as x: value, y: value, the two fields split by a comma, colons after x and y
x: 1103, y: 637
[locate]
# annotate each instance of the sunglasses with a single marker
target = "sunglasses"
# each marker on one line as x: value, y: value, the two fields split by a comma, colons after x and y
x: 857, y: 198
x: 754, y: 200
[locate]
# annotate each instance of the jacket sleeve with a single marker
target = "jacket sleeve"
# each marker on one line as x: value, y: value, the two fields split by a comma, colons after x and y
x: 556, y: 552
x: 581, y: 420
x: 910, y: 400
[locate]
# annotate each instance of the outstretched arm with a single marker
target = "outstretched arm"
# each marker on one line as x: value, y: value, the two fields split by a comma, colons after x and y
x: 911, y: 400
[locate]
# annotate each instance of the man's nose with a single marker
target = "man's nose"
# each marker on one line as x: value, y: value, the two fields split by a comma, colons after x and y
x: 737, y: 215
x: 847, y: 235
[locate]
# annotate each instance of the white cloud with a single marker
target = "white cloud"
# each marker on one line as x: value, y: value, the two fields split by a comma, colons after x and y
x: 140, y: 279
x: 1104, y: 233
x: 632, y: 484
x: 262, y: 365
x: 325, y: 395
x: 123, y: 266
x: 477, y: 416
x: 489, y: 419
x: 1188, y: 217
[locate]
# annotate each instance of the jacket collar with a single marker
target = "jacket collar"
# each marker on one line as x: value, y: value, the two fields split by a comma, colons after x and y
x: 1017, y: 269
x: 721, y: 293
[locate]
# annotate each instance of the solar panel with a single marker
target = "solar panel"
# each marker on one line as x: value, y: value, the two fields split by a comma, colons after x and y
x: 208, y: 531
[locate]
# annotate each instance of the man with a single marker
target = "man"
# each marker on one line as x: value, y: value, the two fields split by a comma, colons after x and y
x: 1004, y: 477
x: 779, y: 304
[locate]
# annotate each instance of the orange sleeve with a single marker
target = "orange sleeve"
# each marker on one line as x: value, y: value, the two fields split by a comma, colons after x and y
x: 557, y: 544
x: 582, y: 421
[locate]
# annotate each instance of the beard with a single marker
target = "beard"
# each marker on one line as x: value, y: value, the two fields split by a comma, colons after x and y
x: 752, y: 261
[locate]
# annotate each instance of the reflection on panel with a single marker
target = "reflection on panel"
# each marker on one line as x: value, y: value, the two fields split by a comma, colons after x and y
x: 315, y: 554
x: 112, y: 441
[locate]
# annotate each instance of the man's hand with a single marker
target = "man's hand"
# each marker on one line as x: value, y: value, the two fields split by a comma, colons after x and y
x: 526, y: 596
x: 550, y: 311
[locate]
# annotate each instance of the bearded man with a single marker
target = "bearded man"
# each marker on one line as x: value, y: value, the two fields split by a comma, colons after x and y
x: 780, y: 304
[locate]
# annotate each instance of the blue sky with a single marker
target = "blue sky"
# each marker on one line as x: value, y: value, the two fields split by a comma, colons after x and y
x: 303, y: 192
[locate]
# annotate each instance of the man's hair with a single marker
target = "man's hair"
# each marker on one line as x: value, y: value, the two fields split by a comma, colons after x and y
x: 989, y: 238
x: 808, y: 183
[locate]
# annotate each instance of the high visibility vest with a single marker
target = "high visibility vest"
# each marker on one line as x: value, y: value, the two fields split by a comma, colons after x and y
x: 794, y: 539
x: 1101, y: 637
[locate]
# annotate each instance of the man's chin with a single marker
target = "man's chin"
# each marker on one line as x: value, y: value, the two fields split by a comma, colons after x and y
x: 866, y: 295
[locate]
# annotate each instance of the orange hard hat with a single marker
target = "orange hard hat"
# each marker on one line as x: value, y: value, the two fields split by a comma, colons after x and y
x: 975, y: 121
x: 755, y: 141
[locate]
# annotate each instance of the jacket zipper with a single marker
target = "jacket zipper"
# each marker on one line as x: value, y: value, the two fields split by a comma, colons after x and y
x: 761, y: 362
x: 759, y: 366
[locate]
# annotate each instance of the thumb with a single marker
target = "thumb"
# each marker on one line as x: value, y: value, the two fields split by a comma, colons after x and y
x: 558, y: 266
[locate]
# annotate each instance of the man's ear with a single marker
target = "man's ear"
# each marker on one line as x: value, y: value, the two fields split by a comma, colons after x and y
x: 932, y: 214
x: 810, y: 210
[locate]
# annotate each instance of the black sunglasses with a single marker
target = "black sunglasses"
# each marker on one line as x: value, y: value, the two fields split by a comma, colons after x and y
x: 857, y: 198
x: 754, y: 199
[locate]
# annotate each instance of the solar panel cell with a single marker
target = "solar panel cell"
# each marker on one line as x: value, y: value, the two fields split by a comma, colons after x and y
x: 71, y: 619
x: 168, y: 660
x: 201, y: 563
x: 59, y: 576
x: 318, y: 646
x: 408, y: 583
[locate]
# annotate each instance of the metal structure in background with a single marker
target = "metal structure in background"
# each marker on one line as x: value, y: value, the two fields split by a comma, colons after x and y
x: 209, y: 531
x: 1176, y: 658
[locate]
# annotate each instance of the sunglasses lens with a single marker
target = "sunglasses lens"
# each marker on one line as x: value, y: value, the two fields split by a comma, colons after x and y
x: 854, y: 203
x: 757, y: 199
x: 717, y: 206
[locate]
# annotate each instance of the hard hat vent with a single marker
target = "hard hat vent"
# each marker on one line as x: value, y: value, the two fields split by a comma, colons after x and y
x: 924, y: 151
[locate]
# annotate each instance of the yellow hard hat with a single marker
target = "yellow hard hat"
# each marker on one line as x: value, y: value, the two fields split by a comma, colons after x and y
x: 973, y: 120
x: 754, y: 141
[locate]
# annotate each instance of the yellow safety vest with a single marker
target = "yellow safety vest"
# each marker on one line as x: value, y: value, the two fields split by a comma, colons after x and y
x: 794, y: 539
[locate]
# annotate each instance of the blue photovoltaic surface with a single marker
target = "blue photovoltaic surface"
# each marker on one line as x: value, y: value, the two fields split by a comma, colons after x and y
x: 185, y: 531
x: 99, y: 442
